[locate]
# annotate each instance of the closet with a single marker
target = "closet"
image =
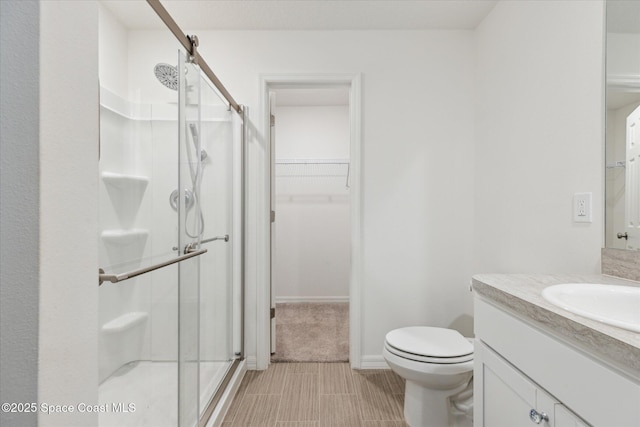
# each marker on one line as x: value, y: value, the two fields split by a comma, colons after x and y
x: 312, y: 236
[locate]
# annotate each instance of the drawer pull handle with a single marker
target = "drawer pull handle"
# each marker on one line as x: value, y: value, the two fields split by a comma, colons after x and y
x: 538, y: 417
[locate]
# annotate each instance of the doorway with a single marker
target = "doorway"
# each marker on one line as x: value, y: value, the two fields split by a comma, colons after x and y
x: 313, y: 193
x: 310, y: 230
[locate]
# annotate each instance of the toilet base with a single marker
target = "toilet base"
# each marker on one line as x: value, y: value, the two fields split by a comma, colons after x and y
x: 424, y: 407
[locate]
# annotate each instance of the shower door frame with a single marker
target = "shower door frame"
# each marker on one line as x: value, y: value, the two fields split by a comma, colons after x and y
x: 264, y: 166
x: 220, y: 401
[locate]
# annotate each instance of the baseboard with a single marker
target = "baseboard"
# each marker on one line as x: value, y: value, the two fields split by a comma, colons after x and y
x: 373, y: 362
x: 280, y: 300
x: 252, y: 363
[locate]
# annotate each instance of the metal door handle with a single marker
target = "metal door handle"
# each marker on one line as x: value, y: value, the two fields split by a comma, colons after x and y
x: 624, y: 236
x: 538, y: 417
x: 192, y: 246
x: 115, y: 278
x: 213, y: 239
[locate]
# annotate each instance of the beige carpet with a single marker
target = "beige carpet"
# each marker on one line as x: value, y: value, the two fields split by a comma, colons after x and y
x: 312, y: 332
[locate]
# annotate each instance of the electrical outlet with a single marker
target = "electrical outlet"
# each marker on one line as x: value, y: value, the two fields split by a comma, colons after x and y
x: 582, y: 207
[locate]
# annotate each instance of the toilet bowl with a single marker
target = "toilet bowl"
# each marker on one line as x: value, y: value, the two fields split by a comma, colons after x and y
x: 437, y: 364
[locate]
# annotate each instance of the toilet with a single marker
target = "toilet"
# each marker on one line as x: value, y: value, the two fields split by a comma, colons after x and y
x: 437, y: 364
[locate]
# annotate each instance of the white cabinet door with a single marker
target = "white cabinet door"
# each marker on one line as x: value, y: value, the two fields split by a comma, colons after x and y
x: 505, y: 397
x: 566, y: 418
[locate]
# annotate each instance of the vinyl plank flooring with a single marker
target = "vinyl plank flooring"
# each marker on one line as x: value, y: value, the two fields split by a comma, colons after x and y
x: 269, y: 381
x: 303, y: 367
x: 297, y: 424
x: 336, y: 378
x: 375, y: 381
x: 257, y: 410
x: 384, y: 424
x: 339, y: 410
x: 300, y: 398
x: 396, y: 382
x: 377, y: 401
x: 318, y: 395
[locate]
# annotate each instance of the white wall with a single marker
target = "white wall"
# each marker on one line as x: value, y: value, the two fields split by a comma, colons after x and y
x: 539, y: 136
x: 418, y: 105
x: 112, y: 53
x: 68, y: 311
x: 313, y: 233
x: 622, y: 54
x: 19, y: 206
x: 63, y: 259
x: 419, y: 153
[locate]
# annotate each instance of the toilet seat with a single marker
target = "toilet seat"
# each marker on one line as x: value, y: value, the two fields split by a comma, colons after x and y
x: 429, y: 345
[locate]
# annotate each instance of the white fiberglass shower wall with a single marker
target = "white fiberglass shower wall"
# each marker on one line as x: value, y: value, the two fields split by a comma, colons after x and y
x: 170, y: 167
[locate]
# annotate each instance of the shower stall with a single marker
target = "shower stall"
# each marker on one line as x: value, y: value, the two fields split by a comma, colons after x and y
x: 171, y: 231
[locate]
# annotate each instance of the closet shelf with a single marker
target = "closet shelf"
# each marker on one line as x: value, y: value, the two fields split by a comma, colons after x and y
x: 124, y: 237
x: 312, y: 168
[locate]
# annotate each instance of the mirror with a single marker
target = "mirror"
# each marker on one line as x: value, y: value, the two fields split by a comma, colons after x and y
x: 622, y: 186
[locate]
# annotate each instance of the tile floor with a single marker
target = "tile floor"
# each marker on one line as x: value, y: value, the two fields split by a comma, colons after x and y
x: 318, y: 395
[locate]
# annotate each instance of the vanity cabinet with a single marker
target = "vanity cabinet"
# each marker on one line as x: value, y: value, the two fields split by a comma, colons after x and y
x: 510, y: 399
x: 521, y: 366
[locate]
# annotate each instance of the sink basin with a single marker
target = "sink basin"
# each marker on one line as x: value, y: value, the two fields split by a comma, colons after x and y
x: 611, y: 304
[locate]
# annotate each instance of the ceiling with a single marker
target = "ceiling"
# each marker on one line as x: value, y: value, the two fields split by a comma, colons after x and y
x: 306, y: 14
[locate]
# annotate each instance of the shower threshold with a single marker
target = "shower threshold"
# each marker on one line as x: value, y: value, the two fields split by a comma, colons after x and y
x: 146, y: 393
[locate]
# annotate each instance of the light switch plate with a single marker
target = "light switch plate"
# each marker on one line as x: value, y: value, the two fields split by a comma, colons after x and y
x: 582, y: 207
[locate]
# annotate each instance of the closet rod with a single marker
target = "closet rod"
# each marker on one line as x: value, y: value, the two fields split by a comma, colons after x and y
x: 191, y: 44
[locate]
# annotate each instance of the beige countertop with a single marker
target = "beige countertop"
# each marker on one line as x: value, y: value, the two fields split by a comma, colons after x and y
x: 522, y: 295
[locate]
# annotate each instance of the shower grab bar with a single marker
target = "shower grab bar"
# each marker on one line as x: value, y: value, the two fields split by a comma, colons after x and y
x: 115, y: 278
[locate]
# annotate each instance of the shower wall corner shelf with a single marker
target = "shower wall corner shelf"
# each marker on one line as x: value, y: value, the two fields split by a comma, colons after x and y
x: 124, y: 181
x: 124, y: 237
x: 124, y: 322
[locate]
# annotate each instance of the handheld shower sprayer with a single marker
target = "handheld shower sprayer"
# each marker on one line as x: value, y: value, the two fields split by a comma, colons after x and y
x: 194, y: 138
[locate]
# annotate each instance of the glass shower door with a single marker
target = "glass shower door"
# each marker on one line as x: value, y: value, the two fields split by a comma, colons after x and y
x: 207, y: 299
x: 168, y: 191
x: 216, y: 275
x: 138, y: 316
x: 191, y: 226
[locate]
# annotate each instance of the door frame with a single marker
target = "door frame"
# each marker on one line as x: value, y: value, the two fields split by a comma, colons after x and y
x: 269, y: 82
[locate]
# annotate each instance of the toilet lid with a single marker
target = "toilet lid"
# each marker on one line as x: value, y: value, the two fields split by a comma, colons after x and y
x: 430, y: 341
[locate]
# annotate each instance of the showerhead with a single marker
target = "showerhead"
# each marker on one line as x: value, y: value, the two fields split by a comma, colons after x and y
x: 167, y: 75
